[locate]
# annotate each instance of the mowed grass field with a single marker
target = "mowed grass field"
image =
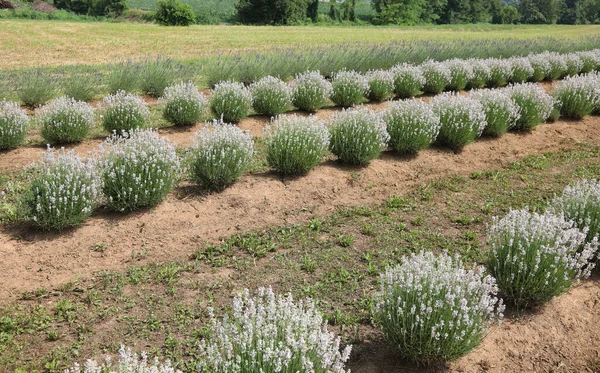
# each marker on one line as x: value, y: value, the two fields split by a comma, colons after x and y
x: 34, y: 43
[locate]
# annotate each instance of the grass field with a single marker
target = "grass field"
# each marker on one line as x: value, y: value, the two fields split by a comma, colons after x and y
x: 27, y: 43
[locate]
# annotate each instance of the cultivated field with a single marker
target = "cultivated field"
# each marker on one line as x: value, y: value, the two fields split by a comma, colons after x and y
x: 139, y: 240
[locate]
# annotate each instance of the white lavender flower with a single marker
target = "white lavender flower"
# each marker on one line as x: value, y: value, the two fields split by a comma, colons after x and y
x: 462, y: 119
x: 295, y: 144
x: 501, y: 112
x: 433, y: 309
x: 270, y: 96
x: 124, y: 112
x: 231, y: 101
x: 536, y: 257
x: 534, y: 103
x: 349, y: 88
x: 481, y: 73
x: 558, y: 65
x: 500, y: 72
x: 13, y: 125
x: 357, y: 136
x: 128, y: 362
x: 65, y: 120
x: 138, y: 170
x: 310, y: 91
x: 381, y: 84
x: 272, y: 333
x: 412, y: 125
x: 580, y: 203
x: 590, y: 61
x: 461, y: 73
x: 437, y: 76
x: 63, y: 192
x: 522, y: 70
x: 574, y: 64
x: 183, y: 104
x: 219, y: 155
x: 408, y: 80
x: 578, y: 96
x: 541, y: 67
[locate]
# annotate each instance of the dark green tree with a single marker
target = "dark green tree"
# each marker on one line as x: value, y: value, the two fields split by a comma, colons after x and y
x: 312, y: 11
x: 265, y: 12
x: 404, y: 12
x: 349, y: 7
x: 334, y: 12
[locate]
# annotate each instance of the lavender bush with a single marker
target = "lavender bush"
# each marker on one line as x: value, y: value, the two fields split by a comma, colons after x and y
x: 437, y: 76
x: 408, y: 80
x: 271, y: 333
x: 231, y: 101
x: 461, y: 74
x: 578, y: 96
x: 536, y: 257
x: 481, y: 73
x: 357, y: 136
x: 123, y: 112
x: 500, y: 72
x: 541, y: 67
x: 381, y: 85
x: 295, y: 144
x: 411, y: 125
x: 183, y: 104
x: 65, y: 120
x: 310, y: 91
x: 270, y: 96
x: 522, y: 70
x: 558, y: 65
x: 462, y: 119
x: 128, y: 362
x: 435, y: 310
x: 219, y: 155
x: 349, y: 88
x: 589, y: 61
x: 574, y: 64
x: 63, y: 192
x: 580, y: 203
x: 138, y: 170
x: 501, y: 112
x: 13, y: 125
x: 534, y: 103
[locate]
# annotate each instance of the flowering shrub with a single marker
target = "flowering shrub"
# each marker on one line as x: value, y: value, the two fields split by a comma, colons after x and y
x: 536, y: 257
x: 381, y: 85
x: 63, y: 193
x: 462, y: 119
x: 501, y: 112
x: 534, y: 103
x: 541, y: 67
x: 65, y: 120
x: 138, y: 171
x: 295, y: 144
x: 481, y: 73
x: 437, y: 76
x: 580, y: 203
x: 231, y: 101
x: 219, y: 155
x: 349, y: 88
x: 412, y: 125
x: 128, y: 363
x: 589, y: 60
x: 574, y: 64
x: 578, y: 96
x: 500, y: 72
x: 461, y: 74
x: 558, y: 65
x: 270, y: 96
x: 357, y: 136
x: 408, y: 80
x: 522, y: 70
x: 271, y: 333
x: 433, y: 309
x: 124, y: 112
x: 310, y: 91
x: 183, y: 104
x: 13, y: 125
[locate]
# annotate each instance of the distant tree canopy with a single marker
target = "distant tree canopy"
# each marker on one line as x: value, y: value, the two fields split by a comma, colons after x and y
x: 267, y: 12
x: 93, y: 7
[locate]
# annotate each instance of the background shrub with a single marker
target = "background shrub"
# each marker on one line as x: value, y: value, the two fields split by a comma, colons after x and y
x: 124, y: 76
x: 461, y: 74
x: 462, y: 119
x: 128, y: 362
x: 437, y: 76
x: 65, y: 120
x: 578, y: 96
x: 231, y: 101
x: 270, y: 96
x: 349, y: 88
x: 534, y: 103
x: 580, y: 203
x: 435, y: 310
x: 408, y: 80
x: 357, y: 136
x: 481, y: 74
x: 183, y: 104
x: 158, y: 74
x: 295, y: 144
x: 271, y: 333
x: 63, y: 193
x: 310, y: 91
x: 501, y: 112
x: 137, y: 171
x: 411, y: 125
x: 174, y: 13
x: 536, y: 257
x: 219, y: 155
x: 500, y: 72
x: 81, y: 87
x: 36, y: 88
x: 124, y: 112
x: 381, y: 85
x: 13, y: 125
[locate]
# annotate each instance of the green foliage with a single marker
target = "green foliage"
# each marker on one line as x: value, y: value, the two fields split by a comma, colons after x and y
x: 158, y: 74
x: 37, y: 88
x: 280, y: 12
x: 124, y: 76
x: 93, y: 7
x: 403, y: 12
x: 174, y: 13
x: 81, y: 87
